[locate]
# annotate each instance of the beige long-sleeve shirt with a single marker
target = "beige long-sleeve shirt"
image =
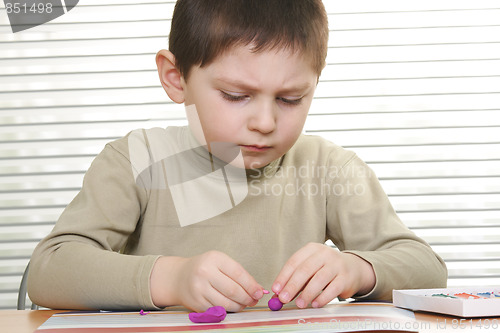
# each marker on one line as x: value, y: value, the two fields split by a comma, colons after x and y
x: 102, y: 250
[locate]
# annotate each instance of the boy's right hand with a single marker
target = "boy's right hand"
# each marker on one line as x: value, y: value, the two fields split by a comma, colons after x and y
x: 200, y: 282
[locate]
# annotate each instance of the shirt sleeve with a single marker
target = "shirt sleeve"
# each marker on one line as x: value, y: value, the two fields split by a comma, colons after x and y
x: 361, y: 221
x: 79, y: 264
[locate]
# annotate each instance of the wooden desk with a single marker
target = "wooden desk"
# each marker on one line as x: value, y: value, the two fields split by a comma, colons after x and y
x: 13, y: 321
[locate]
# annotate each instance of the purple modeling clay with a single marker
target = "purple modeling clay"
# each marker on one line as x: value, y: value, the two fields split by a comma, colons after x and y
x: 215, y: 314
x: 275, y: 303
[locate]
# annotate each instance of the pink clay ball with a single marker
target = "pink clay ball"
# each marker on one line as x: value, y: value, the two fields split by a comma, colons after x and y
x: 275, y: 304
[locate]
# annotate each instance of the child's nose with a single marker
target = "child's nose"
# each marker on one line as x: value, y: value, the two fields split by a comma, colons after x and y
x: 262, y: 118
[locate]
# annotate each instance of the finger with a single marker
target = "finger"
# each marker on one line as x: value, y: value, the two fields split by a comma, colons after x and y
x: 315, y: 286
x: 300, y: 278
x: 231, y: 290
x: 333, y: 290
x: 254, y: 303
x: 290, y: 266
x: 200, y: 304
x: 215, y: 298
x: 234, y: 271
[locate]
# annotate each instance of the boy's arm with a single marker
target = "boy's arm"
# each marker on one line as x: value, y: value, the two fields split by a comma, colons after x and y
x: 77, y: 266
x: 363, y: 222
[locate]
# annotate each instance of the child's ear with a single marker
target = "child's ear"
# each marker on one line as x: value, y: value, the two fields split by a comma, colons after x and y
x: 170, y: 76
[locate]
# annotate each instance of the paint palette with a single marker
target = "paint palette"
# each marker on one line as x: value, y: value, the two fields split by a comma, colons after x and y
x: 463, y: 302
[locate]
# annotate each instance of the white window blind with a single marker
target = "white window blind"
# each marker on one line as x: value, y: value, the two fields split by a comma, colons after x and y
x: 412, y: 86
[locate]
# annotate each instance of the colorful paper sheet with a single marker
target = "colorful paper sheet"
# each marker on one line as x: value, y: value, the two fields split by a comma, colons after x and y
x: 331, y: 318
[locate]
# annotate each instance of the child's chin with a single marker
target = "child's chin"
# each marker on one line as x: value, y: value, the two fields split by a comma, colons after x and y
x: 255, y: 164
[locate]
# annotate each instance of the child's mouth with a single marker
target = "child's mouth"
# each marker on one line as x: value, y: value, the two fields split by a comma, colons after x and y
x: 255, y: 148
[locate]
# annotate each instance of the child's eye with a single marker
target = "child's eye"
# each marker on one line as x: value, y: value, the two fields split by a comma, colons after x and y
x: 290, y: 101
x: 231, y: 97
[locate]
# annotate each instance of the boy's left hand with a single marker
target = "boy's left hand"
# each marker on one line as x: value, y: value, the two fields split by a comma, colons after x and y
x: 320, y: 274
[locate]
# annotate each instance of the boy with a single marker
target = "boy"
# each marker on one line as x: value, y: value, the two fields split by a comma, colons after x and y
x: 239, y: 201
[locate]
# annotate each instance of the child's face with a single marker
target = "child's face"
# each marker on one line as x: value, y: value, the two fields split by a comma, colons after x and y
x: 258, y: 101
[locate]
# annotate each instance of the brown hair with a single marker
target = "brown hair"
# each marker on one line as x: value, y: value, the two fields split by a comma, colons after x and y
x: 204, y: 29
